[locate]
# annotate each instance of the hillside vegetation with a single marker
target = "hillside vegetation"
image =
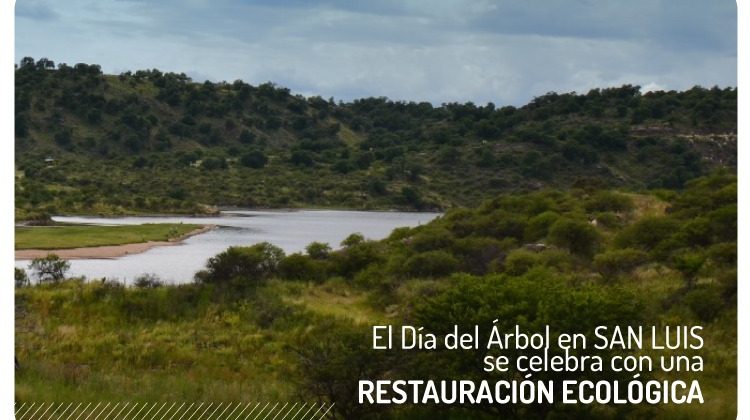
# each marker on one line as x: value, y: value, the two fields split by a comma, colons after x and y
x: 150, y: 141
x: 259, y: 325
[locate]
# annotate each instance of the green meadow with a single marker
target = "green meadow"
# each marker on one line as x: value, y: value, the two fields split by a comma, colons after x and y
x: 78, y: 236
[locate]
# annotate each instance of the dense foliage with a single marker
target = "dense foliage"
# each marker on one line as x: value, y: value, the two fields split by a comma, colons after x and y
x: 151, y: 141
x: 260, y: 324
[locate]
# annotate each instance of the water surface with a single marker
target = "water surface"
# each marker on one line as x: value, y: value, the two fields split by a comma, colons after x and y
x: 289, y: 230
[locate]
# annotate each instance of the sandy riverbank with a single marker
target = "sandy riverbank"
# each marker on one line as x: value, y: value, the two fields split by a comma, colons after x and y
x: 107, y: 251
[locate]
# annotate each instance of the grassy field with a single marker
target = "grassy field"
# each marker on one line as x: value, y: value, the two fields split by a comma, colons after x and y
x: 63, y: 237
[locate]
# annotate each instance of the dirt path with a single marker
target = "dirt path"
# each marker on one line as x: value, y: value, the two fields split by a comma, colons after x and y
x: 107, y: 251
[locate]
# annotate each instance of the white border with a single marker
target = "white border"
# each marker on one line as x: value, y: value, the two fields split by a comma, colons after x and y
x: 7, y: 174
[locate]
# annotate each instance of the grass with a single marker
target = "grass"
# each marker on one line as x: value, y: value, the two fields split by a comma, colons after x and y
x: 62, y: 237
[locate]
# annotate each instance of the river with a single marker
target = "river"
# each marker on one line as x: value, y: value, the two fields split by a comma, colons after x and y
x: 289, y: 230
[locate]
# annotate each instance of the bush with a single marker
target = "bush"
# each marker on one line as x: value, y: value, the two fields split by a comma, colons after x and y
x: 520, y: 261
x: 355, y: 257
x: 148, y: 281
x: 50, y: 269
x: 353, y: 240
x: 431, y: 264
x: 255, y: 262
x: 254, y: 159
x: 705, y: 302
x: 613, y: 263
x: 608, y: 201
x: 431, y: 239
x: 22, y: 279
x: 301, y: 267
x: 578, y: 237
x: 318, y: 250
x: 213, y: 163
x: 647, y: 233
x: 538, y: 226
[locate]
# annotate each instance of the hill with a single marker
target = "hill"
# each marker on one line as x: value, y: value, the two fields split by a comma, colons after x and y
x: 149, y: 141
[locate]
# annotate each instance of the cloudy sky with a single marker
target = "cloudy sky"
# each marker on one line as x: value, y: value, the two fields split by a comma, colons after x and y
x: 504, y: 51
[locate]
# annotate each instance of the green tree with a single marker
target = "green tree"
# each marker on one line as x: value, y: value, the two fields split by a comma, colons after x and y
x: 577, y: 236
x: 49, y: 269
x: 318, y: 250
x: 255, y: 263
x: 254, y: 159
x: 22, y: 279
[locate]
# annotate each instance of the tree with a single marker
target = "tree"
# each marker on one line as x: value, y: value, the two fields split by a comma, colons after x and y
x: 255, y: 263
x: 431, y: 264
x: 689, y: 264
x: 577, y: 236
x: 302, y: 158
x: 254, y: 159
x: 619, y: 261
x: 353, y: 240
x: 301, y: 267
x: 22, y: 279
x: 49, y: 269
x: 318, y: 250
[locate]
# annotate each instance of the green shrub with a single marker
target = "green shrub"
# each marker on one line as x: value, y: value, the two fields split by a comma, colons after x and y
x: 608, y: 201
x: 255, y: 262
x: 354, y: 258
x: 353, y: 240
x: 577, y: 236
x: 254, y: 159
x: 647, y: 233
x: 21, y: 278
x: 318, y: 250
x: 619, y: 261
x: 705, y: 302
x: 148, y: 281
x: 431, y: 264
x: 520, y: 261
x: 49, y: 269
x: 431, y: 239
x: 301, y: 267
x: 538, y: 226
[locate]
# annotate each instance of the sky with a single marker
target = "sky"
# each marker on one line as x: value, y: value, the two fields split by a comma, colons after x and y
x: 502, y: 51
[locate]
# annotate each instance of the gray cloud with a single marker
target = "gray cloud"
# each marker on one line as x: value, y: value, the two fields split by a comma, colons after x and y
x: 442, y: 50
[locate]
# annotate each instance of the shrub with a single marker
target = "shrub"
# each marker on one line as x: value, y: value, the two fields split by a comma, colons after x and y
x: 355, y: 257
x: 254, y: 159
x: 705, y: 302
x: 577, y: 236
x: 255, y: 262
x: 301, y: 267
x: 148, y: 281
x: 50, y: 269
x: 612, y: 263
x: 608, y: 201
x: 431, y: 264
x: 431, y: 239
x: 538, y: 226
x: 212, y: 163
x: 318, y: 250
x: 520, y: 261
x: 646, y: 233
x: 353, y: 240
x: 22, y: 279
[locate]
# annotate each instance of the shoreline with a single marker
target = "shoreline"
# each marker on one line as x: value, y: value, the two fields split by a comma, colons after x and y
x: 106, y: 251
